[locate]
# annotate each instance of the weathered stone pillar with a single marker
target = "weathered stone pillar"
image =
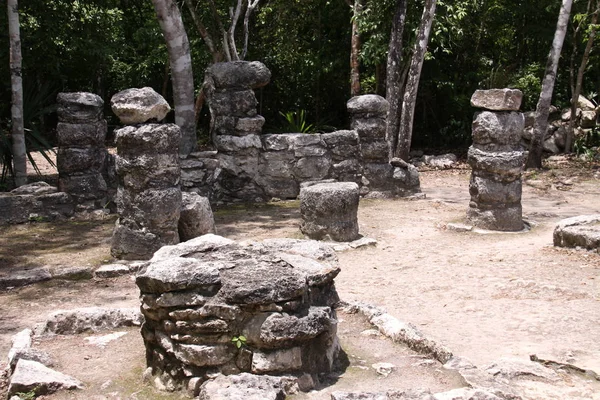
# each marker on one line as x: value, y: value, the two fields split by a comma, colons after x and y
x: 81, y: 157
x: 236, y: 125
x: 380, y: 177
x: 497, y: 160
x: 147, y: 165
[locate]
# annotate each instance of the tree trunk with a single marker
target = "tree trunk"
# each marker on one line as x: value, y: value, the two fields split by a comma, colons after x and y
x: 540, y: 125
x: 412, y: 83
x: 180, y: 60
x: 19, y: 151
x: 393, y: 91
x: 217, y: 56
x: 579, y: 83
x: 250, y: 8
x: 355, y: 51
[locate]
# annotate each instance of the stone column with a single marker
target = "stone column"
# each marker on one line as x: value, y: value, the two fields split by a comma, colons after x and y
x: 497, y: 160
x: 147, y: 165
x: 381, y: 178
x: 236, y: 125
x: 81, y: 157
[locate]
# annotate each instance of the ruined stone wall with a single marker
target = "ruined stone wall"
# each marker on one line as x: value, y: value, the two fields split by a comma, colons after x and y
x: 250, y: 166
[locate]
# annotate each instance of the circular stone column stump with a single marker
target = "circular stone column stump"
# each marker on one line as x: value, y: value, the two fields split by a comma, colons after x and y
x: 330, y: 211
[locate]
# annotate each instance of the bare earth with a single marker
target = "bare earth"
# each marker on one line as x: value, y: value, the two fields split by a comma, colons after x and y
x: 485, y: 296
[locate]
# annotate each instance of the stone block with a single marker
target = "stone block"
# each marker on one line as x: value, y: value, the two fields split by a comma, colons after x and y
x: 71, y: 160
x: 196, y: 217
x: 498, y: 131
x: 79, y: 107
x: 369, y: 129
x: 490, y: 191
x: 239, y: 74
x: 137, y: 106
x: 368, y: 104
x: 233, y: 144
x: 81, y: 135
x: 581, y: 231
x: 130, y: 242
x: 155, y: 209
x: 247, y: 126
x: 276, y: 142
x: 508, y: 165
x: 204, y: 356
x: 233, y: 103
x: 508, y: 219
x: 83, y: 187
x: 277, y: 361
x: 374, y: 151
x: 314, y: 168
x: 177, y: 274
x: 31, y: 375
x: 588, y: 119
x: 133, y: 141
x: 329, y: 210
x: 497, y: 99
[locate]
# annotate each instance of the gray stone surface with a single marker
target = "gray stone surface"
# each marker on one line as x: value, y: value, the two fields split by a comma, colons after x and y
x: 81, y: 135
x: 442, y: 161
x: 287, y: 360
x: 79, y: 107
x: 196, y: 217
x: 138, y: 106
x: 497, y: 99
x: 73, y: 273
x: 24, y: 277
x: 497, y: 131
x: 177, y: 274
x: 391, y: 395
x: 32, y: 355
x: 31, y: 375
x: 34, y: 189
x: 581, y: 231
x: 20, y: 342
x: 112, y: 271
x: 245, y: 387
x: 239, y: 74
x: 91, y: 319
x: 329, y: 211
x: 368, y: 104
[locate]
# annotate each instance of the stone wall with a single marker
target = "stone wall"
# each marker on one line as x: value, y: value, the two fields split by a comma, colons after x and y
x: 250, y: 166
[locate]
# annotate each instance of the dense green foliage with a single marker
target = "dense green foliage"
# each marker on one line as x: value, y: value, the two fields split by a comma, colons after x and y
x: 105, y: 46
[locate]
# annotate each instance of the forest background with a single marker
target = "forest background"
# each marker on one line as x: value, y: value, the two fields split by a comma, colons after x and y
x: 104, y: 46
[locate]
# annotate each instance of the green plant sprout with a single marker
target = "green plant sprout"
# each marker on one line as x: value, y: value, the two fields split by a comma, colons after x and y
x: 239, y: 341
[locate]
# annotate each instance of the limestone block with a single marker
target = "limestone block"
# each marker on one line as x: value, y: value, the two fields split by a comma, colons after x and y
x: 204, y: 356
x: 177, y: 274
x: 369, y: 129
x: 582, y: 231
x: 329, y: 210
x: 508, y: 165
x: 129, y: 242
x: 280, y: 330
x: 137, y: 106
x: 277, y: 361
x: 509, y: 219
x: 236, y: 103
x: 81, y: 135
x: 497, y: 129
x: 588, y: 119
x: 155, y: 209
x: 239, y: 74
x: 276, y: 142
x: 584, y: 104
x: 91, y: 319
x: 25, y: 277
x: 149, y: 139
x: 368, y: 104
x: 228, y: 143
x: 247, y: 126
x: 70, y: 160
x: 490, y: 191
x: 374, y: 151
x: 79, y: 107
x: 312, y: 168
x: 566, y: 114
x: 245, y: 386
x: 276, y: 165
x: 303, y: 139
x: 497, y: 99
x: 196, y: 217
x: 83, y: 187
x: 31, y: 375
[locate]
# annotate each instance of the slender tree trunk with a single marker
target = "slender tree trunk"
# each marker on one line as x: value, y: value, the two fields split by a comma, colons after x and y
x: 380, y: 79
x: 412, y: 83
x: 251, y: 6
x: 355, y: 50
x: 393, y: 91
x: 204, y: 34
x: 579, y: 82
x: 180, y: 61
x: 235, y: 15
x: 19, y: 151
x: 540, y: 125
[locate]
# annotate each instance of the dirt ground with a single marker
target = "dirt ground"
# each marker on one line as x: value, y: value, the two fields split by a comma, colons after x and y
x: 485, y: 296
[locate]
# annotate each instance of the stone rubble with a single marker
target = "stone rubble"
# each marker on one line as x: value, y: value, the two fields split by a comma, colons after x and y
x: 196, y: 217
x: 90, y: 319
x: 497, y: 160
x: 35, y: 201
x: 138, y: 106
x: 32, y: 375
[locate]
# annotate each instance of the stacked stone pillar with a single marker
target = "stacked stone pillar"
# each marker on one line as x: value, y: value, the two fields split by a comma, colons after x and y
x: 497, y: 160
x: 82, y: 154
x: 236, y: 125
x: 147, y: 165
x: 381, y: 178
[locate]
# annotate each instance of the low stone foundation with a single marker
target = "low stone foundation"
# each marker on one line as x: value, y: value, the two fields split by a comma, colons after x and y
x: 213, y: 306
x: 582, y: 231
